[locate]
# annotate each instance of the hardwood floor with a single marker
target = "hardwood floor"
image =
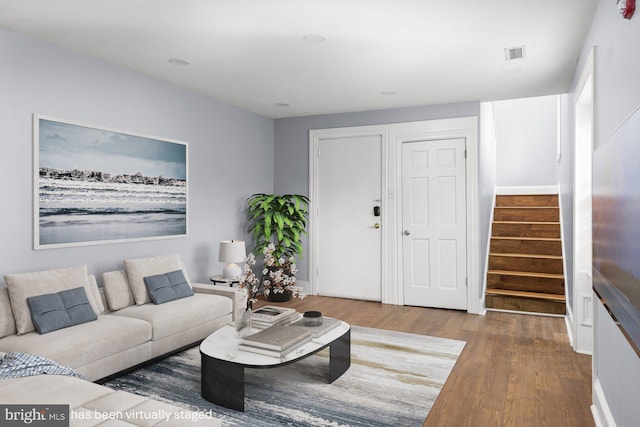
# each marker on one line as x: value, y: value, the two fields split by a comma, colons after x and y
x: 515, y: 370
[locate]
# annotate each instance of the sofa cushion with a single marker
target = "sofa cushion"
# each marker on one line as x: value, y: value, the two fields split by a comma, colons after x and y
x: 167, y: 287
x: 179, y: 315
x: 51, y: 312
x: 94, y: 294
x: 117, y: 289
x: 85, y: 343
x: 138, y: 269
x: 7, y: 322
x: 24, y: 285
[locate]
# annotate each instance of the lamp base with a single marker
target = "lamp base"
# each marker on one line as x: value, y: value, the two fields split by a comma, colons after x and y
x: 232, y: 271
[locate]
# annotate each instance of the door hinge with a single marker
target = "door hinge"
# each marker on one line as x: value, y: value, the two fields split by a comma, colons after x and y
x: 465, y: 153
x: 466, y: 282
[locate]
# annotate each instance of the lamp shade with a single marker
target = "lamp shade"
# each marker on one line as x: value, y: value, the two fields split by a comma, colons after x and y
x: 232, y: 251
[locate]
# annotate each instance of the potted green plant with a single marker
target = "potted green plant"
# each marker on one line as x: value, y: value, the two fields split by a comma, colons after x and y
x: 278, y: 219
x: 276, y: 223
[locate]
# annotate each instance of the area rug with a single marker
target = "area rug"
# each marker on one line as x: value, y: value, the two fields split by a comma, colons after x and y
x: 393, y: 380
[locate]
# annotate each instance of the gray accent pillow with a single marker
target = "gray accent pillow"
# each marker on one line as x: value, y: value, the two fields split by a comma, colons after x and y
x: 51, y: 312
x: 167, y: 287
x: 138, y: 269
x: 24, y: 285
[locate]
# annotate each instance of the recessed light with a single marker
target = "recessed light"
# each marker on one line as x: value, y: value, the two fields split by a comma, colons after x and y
x: 313, y: 38
x: 281, y: 104
x: 178, y: 61
x: 387, y: 93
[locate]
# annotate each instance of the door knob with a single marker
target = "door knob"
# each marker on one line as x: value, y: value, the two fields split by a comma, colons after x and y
x: 376, y: 225
x: 406, y: 232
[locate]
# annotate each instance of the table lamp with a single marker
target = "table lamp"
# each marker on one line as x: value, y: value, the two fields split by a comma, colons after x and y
x: 232, y: 251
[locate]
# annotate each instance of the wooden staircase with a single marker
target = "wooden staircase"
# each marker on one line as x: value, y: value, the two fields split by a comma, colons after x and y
x: 525, y: 256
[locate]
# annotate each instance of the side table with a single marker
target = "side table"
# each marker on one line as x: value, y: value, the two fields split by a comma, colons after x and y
x: 219, y: 279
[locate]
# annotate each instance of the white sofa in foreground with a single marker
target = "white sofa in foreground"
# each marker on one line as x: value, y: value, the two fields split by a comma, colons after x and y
x: 124, y: 329
x: 91, y: 404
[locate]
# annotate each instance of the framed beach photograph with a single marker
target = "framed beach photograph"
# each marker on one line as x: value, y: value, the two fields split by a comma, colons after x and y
x: 94, y: 185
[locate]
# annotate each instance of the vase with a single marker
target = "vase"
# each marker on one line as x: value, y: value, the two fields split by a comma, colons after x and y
x: 279, y: 296
x: 243, y: 323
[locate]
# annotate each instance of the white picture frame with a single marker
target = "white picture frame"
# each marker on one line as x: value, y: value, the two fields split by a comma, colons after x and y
x: 95, y: 185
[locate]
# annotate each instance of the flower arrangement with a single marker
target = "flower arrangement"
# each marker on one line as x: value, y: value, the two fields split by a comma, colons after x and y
x: 278, y: 276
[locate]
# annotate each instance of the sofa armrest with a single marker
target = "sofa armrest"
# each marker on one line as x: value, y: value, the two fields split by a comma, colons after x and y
x: 238, y: 296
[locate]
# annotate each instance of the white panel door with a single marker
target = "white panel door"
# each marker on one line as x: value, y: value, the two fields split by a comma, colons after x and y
x: 434, y: 223
x: 349, y: 244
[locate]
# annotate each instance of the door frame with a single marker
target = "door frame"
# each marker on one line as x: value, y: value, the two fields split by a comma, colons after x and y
x: 316, y: 136
x: 580, y: 313
x: 393, y: 135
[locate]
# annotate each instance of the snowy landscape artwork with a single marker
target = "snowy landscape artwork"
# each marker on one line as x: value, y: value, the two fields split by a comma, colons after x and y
x: 94, y: 185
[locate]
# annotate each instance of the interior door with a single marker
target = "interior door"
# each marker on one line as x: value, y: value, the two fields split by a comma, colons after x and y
x: 349, y: 217
x: 434, y: 223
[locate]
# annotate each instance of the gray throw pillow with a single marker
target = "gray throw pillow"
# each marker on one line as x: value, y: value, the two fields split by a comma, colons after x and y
x: 167, y: 287
x: 51, y: 312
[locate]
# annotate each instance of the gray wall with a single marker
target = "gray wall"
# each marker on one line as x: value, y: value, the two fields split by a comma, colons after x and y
x: 291, y: 139
x: 617, y: 67
x: 230, y: 152
x: 526, y: 137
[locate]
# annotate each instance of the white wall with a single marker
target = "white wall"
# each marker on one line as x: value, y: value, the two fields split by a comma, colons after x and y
x: 617, y: 95
x: 486, y: 180
x: 291, y: 140
x: 36, y: 77
x: 526, y: 138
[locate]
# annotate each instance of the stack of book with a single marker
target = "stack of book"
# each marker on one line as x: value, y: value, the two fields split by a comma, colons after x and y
x: 327, y: 324
x: 270, y: 315
x: 276, y: 341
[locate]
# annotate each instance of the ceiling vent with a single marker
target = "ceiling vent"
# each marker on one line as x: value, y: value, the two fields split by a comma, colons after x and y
x: 511, y: 53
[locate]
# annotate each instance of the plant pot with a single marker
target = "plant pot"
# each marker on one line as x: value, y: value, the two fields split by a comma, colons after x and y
x: 279, y: 297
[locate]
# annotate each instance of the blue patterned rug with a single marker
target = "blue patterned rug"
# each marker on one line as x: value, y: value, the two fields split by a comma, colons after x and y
x: 393, y: 380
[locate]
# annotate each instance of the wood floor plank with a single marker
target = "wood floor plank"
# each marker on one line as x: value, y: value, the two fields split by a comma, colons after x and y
x: 515, y: 370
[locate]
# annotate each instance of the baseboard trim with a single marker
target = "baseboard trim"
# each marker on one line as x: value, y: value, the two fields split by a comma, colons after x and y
x: 568, y: 320
x: 602, y: 416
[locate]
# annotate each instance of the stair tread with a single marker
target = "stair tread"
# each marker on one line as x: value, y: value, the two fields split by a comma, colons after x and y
x: 526, y: 207
x: 528, y: 222
x: 545, y: 239
x: 538, y: 256
x: 526, y: 294
x: 526, y: 274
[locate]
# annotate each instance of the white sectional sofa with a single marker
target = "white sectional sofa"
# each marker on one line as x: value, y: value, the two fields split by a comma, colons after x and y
x: 128, y: 329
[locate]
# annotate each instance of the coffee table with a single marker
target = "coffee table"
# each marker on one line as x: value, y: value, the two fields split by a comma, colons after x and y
x: 223, y: 365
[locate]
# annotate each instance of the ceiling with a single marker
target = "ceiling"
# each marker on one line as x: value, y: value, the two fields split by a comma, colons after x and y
x: 359, y: 54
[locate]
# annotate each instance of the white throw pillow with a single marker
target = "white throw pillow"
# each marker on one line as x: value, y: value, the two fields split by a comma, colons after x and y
x: 117, y: 289
x: 25, y: 285
x: 138, y: 269
x: 7, y: 322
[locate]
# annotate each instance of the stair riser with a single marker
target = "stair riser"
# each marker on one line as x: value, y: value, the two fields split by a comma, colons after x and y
x: 549, y: 231
x: 524, y: 304
x: 526, y: 214
x: 526, y: 283
x: 538, y: 247
x: 527, y: 200
x: 536, y: 265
